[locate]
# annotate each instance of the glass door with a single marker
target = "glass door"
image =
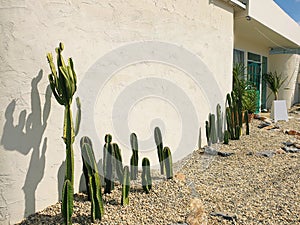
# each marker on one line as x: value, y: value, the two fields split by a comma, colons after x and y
x: 254, y: 78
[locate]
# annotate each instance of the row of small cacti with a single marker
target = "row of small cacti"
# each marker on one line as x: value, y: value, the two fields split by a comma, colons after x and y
x: 213, y: 128
x: 112, y: 164
x: 164, y: 155
x: 234, y: 122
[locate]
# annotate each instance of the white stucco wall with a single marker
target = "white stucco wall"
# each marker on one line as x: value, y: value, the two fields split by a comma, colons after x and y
x: 168, y: 49
x: 288, y: 66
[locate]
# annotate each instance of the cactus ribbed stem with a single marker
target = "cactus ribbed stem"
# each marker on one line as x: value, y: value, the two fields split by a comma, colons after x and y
x: 168, y: 162
x: 159, y: 145
x: 125, y: 186
x: 134, y: 158
x: 146, y: 176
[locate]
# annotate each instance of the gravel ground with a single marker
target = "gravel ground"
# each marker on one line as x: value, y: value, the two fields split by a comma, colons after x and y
x: 251, y: 188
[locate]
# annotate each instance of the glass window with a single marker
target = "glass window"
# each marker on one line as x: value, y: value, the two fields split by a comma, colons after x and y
x: 253, y: 57
x: 238, y: 57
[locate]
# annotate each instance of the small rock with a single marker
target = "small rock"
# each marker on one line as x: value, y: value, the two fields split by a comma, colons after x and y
x: 225, y: 154
x: 280, y: 151
x: 267, y: 154
x: 226, y: 216
x: 291, y: 132
x: 291, y: 149
x: 197, y: 215
x: 180, y: 177
x: 264, y: 124
x: 288, y: 143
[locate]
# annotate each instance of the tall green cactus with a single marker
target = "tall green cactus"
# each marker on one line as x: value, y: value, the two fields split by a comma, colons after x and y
x: 220, y: 123
x: 125, y: 186
x: 160, y: 146
x: 63, y: 85
x: 168, y: 162
x: 118, y: 161
x: 134, y: 158
x: 93, y: 180
x: 234, y: 116
x: 146, y: 175
x: 109, y: 165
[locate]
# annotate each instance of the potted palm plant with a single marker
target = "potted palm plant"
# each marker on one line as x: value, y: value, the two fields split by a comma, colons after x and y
x: 274, y: 82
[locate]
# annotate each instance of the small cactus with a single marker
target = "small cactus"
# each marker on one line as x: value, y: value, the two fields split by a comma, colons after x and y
x: 213, y: 131
x: 108, y: 164
x: 220, y: 124
x: 93, y: 180
x: 146, y: 175
x: 247, y: 123
x: 199, y: 139
x: 118, y: 161
x: 226, y: 137
x: 160, y: 146
x: 67, y: 202
x: 125, y: 186
x: 134, y: 158
x: 207, y: 132
x: 168, y: 162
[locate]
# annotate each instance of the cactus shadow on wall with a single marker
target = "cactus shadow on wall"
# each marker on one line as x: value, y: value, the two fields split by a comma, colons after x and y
x: 27, y: 135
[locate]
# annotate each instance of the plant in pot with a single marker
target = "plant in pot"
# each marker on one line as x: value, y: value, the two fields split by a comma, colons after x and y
x: 275, y: 82
x: 250, y: 99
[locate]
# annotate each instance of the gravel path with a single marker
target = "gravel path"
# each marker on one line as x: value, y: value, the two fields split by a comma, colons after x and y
x: 252, y: 188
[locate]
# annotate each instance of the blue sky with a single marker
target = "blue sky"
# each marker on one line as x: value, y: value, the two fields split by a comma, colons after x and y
x: 291, y: 7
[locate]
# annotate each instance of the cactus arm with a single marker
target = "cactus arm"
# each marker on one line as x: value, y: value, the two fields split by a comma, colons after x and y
x: 78, y: 116
x: 53, y: 87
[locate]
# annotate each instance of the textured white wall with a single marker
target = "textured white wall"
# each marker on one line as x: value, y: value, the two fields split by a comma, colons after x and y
x: 288, y: 66
x: 179, y: 53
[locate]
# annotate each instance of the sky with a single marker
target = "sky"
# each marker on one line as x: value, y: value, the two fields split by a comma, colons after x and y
x: 291, y: 7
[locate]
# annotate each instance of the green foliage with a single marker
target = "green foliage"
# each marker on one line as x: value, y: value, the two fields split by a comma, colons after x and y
x: 275, y: 82
x: 159, y: 144
x: 125, y: 186
x: 250, y: 99
x: 63, y: 85
x: 146, y: 176
x: 93, y: 179
x: 168, y: 162
x: 134, y: 158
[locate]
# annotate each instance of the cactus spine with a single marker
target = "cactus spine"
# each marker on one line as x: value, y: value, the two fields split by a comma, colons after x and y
x: 125, y: 186
x: 168, y: 162
x: 146, y: 176
x: 108, y: 164
x: 118, y: 161
x: 159, y: 145
x: 94, y: 183
x: 63, y: 86
x: 134, y: 158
